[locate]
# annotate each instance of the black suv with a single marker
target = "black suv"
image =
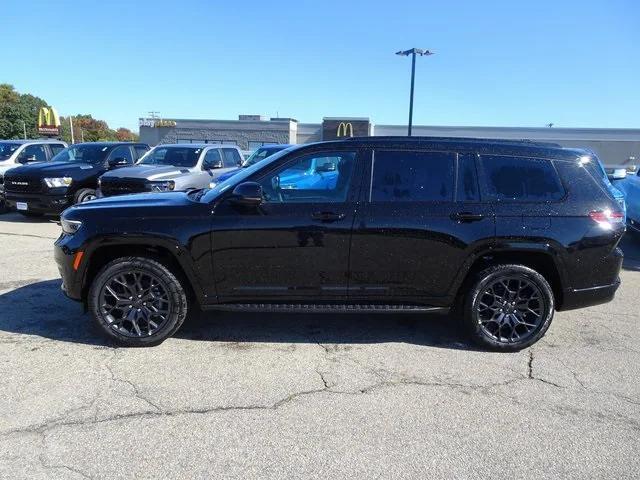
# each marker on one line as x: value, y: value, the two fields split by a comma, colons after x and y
x: 506, y: 232
x: 70, y: 177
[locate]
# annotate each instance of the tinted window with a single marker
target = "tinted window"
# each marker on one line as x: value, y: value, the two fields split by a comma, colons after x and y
x: 176, y: 156
x: 140, y: 150
x: 467, y: 185
x: 123, y: 151
x: 311, y: 178
x: 522, y: 179
x: 56, y: 148
x: 211, y: 159
x: 231, y: 157
x: 34, y: 153
x: 404, y: 176
x: 87, y: 153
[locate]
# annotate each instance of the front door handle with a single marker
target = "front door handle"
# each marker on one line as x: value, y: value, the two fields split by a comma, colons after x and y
x: 327, y: 216
x: 466, y: 217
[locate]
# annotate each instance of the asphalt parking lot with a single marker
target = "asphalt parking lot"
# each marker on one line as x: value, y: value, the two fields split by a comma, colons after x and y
x: 319, y: 396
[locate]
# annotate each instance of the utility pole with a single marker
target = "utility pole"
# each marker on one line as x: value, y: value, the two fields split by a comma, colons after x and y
x: 71, y: 128
x: 24, y: 129
x: 413, y: 52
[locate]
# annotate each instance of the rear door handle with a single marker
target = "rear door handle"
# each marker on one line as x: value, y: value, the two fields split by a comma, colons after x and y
x: 466, y: 217
x: 327, y: 216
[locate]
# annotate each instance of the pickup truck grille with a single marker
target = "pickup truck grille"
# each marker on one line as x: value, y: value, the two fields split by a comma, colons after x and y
x: 14, y: 183
x: 122, y: 186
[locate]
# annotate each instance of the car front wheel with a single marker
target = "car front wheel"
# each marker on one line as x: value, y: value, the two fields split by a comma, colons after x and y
x: 137, y: 301
x: 508, y: 308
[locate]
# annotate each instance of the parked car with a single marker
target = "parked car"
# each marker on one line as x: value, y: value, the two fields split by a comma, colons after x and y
x: 14, y: 153
x: 173, y: 167
x: 70, y: 177
x: 259, y: 154
x: 630, y: 187
x: 502, y: 232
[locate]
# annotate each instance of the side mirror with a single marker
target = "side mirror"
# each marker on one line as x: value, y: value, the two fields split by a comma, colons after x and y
x: 618, y: 174
x: 326, y: 167
x: 212, y: 165
x: 248, y: 194
x: 23, y: 160
x: 118, y: 162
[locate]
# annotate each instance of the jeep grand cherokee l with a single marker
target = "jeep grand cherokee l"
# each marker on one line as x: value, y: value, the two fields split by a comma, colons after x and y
x: 70, y: 177
x: 503, y: 232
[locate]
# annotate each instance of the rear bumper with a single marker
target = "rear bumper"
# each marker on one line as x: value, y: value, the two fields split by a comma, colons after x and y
x: 39, y: 202
x: 588, y: 297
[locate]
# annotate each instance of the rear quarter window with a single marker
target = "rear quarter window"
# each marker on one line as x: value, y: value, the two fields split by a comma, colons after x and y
x: 521, y: 179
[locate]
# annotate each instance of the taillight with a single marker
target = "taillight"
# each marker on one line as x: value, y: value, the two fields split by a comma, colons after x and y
x: 607, y: 218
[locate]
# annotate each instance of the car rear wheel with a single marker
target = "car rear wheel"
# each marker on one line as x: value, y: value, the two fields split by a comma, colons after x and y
x: 137, y: 301
x: 508, y: 308
x: 85, y: 194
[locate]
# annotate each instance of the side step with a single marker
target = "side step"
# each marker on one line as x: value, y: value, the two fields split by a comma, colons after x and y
x: 322, y: 307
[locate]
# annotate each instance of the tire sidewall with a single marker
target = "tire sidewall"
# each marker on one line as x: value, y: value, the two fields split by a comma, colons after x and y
x: 83, y: 193
x: 179, y: 304
x: 490, y: 275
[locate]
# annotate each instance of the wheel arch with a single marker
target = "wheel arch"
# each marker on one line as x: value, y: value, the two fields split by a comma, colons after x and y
x: 104, y: 254
x: 541, y: 258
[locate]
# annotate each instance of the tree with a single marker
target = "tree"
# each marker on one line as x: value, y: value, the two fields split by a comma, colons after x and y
x: 18, y: 112
x: 126, y: 135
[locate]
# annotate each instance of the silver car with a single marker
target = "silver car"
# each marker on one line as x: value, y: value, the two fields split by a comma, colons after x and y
x: 172, y: 167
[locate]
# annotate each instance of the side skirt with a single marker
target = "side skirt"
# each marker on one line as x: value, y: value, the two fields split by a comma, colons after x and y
x: 320, y: 308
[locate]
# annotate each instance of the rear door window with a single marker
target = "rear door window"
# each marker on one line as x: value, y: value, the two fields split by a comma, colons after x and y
x: 231, y: 157
x: 412, y: 176
x: 56, y: 148
x: 521, y: 179
x: 140, y: 150
x: 467, y: 183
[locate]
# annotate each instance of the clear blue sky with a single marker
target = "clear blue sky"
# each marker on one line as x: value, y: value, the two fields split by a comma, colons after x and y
x: 504, y: 63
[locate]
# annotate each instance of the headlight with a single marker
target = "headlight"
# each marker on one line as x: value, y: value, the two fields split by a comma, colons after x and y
x: 70, y: 226
x: 162, y: 186
x: 58, y: 182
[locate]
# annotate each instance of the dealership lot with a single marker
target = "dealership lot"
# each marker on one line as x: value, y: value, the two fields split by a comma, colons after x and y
x: 319, y: 396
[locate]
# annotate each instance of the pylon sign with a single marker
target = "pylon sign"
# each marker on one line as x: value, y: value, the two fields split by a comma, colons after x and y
x: 48, y: 122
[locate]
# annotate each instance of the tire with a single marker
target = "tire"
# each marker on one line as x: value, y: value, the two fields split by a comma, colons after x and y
x: 108, y: 310
x: 497, y: 319
x: 3, y: 207
x: 84, y: 195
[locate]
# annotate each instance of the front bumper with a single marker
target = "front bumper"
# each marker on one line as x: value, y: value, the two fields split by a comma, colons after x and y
x: 64, y: 255
x: 39, y: 202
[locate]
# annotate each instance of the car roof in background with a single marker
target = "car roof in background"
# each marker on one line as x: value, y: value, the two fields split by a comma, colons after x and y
x: 108, y: 144
x: 197, y: 145
x: 33, y: 140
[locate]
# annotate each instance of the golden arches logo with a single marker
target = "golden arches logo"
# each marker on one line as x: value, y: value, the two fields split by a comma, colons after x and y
x: 48, y: 117
x: 343, y: 128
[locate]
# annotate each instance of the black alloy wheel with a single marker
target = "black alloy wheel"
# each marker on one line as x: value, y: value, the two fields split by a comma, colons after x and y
x: 137, y: 301
x: 509, y: 308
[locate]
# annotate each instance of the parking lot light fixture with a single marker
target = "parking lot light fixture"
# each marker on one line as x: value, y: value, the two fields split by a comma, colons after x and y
x: 413, y: 52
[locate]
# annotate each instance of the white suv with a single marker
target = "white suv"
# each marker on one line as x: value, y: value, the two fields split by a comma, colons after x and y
x: 14, y: 153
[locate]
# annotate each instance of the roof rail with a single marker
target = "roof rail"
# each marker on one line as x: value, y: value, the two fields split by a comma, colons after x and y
x: 512, y: 141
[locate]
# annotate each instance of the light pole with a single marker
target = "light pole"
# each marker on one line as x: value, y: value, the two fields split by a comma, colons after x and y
x: 413, y: 52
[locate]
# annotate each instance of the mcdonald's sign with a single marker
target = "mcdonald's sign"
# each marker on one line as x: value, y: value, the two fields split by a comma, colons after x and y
x: 48, y: 121
x: 345, y: 130
x: 334, y: 128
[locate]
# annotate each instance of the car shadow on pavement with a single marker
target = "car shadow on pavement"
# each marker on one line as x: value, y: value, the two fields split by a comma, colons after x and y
x: 40, y: 309
x: 15, y: 217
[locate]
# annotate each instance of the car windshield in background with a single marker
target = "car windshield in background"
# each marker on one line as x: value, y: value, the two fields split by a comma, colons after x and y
x: 260, y: 154
x: 7, y: 149
x: 174, y: 156
x: 83, y: 153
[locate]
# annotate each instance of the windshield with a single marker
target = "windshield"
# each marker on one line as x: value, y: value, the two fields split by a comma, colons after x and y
x: 260, y: 154
x: 244, y: 174
x: 174, y: 156
x: 7, y: 149
x: 83, y: 153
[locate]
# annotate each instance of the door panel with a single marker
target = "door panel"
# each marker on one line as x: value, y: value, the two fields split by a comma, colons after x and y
x: 411, y: 239
x: 295, y: 246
